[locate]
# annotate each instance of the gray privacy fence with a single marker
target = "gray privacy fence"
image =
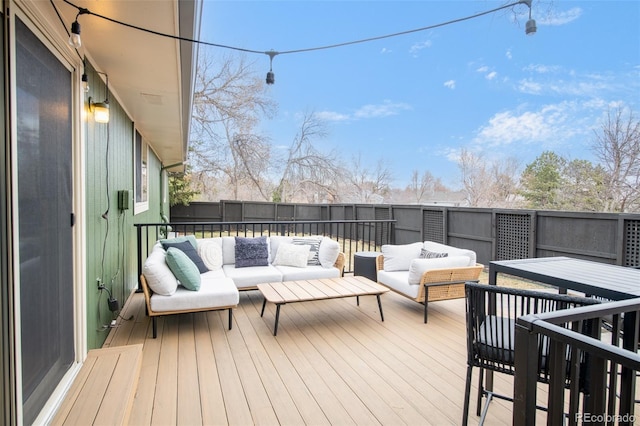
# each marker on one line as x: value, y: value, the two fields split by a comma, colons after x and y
x: 494, y: 234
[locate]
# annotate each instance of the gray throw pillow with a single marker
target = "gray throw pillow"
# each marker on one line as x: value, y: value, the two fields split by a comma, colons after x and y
x: 190, y: 251
x: 251, y: 252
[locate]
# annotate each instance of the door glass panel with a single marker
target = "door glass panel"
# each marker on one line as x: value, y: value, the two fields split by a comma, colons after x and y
x: 44, y: 208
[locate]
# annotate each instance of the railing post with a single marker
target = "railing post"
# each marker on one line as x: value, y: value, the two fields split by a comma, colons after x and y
x: 628, y: 376
x: 139, y: 238
x: 525, y: 379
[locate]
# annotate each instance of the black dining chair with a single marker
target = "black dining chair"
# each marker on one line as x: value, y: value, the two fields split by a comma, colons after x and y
x: 491, y: 312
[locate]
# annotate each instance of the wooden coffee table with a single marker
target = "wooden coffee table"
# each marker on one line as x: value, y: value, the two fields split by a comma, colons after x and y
x: 282, y: 293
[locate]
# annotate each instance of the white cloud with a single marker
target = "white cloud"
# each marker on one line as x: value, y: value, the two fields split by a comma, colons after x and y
x: 591, y: 85
x: 483, y: 68
x: 529, y: 86
x: 451, y: 84
x: 419, y: 46
x: 491, y: 75
x: 550, y: 125
x: 385, y: 50
x: 541, y: 69
x: 332, y: 116
x: 386, y: 109
x: 508, y: 54
x: 560, y: 18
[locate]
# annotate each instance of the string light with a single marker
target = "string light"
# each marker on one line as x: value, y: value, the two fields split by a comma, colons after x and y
x: 530, y: 28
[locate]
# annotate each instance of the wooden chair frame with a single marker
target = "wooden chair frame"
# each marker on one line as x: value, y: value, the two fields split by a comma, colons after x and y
x: 440, y: 284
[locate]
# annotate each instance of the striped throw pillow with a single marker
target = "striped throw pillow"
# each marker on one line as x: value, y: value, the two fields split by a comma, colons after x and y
x: 314, y: 243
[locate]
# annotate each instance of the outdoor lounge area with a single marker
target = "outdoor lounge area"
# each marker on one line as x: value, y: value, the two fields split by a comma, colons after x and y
x: 332, y: 362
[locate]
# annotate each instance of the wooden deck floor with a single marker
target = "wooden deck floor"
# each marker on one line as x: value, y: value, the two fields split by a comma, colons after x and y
x: 332, y: 362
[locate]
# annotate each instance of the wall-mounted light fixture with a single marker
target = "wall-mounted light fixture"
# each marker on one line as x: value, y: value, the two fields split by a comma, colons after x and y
x: 100, y: 111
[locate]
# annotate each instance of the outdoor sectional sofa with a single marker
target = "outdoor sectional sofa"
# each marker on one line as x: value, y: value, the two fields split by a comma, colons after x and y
x: 186, y: 274
x: 427, y: 271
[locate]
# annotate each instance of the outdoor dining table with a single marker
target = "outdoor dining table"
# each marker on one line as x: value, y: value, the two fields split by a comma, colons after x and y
x: 611, y: 282
x: 606, y: 281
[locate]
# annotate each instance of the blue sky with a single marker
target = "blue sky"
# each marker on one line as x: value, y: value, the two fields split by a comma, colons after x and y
x: 415, y: 100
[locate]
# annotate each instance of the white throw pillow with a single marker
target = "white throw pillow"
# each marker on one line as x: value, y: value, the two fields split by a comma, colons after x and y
x: 420, y: 266
x: 314, y: 243
x: 158, y: 275
x: 292, y: 255
x: 210, y: 250
x: 328, y: 253
x: 399, y: 257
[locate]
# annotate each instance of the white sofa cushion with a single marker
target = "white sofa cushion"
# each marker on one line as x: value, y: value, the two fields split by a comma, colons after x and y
x: 210, y: 250
x: 228, y: 250
x: 420, y: 266
x: 290, y: 273
x: 453, y: 251
x: 399, y: 281
x: 250, y: 277
x: 399, y: 257
x: 328, y: 253
x: 157, y: 273
x: 214, y: 292
x: 292, y: 255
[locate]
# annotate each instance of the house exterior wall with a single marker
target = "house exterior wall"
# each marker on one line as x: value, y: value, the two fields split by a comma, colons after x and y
x: 111, y: 239
x: 104, y: 247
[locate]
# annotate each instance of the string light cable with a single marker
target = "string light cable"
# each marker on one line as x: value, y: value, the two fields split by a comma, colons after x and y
x: 530, y: 29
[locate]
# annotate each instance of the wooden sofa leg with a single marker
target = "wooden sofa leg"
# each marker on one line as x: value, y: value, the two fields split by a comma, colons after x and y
x: 426, y: 302
x: 154, y: 326
x: 230, y: 318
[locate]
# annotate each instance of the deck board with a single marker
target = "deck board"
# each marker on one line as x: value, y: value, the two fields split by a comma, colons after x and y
x: 333, y: 362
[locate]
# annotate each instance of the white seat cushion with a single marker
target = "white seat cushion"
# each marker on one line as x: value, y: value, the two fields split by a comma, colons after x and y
x: 291, y: 273
x: 252, y: 276
x: 398, y: 281
x: 214, y: 292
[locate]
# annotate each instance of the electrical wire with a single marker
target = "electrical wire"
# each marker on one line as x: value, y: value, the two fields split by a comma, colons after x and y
x: 272, y: 53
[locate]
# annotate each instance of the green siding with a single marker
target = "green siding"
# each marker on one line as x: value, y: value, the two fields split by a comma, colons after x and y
x: 111, y: 242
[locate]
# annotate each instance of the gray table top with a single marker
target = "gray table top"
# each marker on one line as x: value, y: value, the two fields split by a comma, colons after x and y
x: 597, y: 279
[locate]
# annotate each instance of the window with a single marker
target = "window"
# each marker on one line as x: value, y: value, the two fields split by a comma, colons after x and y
x: 141, y: 174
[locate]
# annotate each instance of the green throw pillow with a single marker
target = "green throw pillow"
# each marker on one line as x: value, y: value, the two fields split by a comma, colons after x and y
x: 183, y: 268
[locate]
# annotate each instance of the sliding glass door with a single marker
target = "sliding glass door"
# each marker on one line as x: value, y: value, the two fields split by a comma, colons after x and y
x: 44, y: 153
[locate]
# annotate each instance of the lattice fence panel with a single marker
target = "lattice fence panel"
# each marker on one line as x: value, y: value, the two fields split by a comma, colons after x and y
x: 631, y: 243
x: 513, y: 234
x: 433, y: 225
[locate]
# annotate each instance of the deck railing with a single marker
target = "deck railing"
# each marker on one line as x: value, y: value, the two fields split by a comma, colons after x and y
x: 602, y: 368
x: 353, y: 235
